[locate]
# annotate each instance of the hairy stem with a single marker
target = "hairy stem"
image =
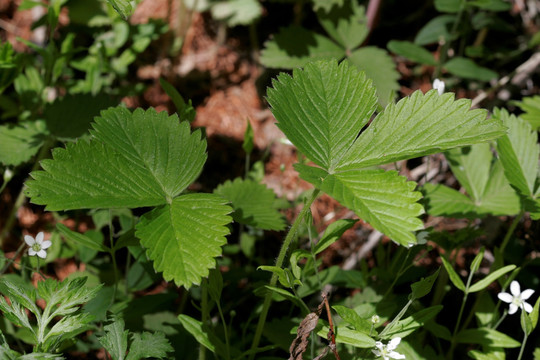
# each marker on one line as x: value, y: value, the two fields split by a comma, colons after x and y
x: 279, y: 263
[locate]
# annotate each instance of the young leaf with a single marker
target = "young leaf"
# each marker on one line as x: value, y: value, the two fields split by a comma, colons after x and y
x: 454, y: 277
x: 350, y: 316
x: 442, y: 200
x: 346, y: 24
x: 322, y: 108
x: 148, y: 345
x: 486, y: 337
x: 332, y: 233
x: 134, y: 159
x: 410, y: 324
x: 420, y: 125
x: 531, y: 108
x: 183, y: 237
x: 411, y: 51
x: 475, y: 265
x: 423, y: 287
x: 295, y: 46
x: 237, y: 12
x: 18, y: 143
x: 195, y: 328
x: 115, y: 340
x: 351, y: 337
x: 252, y: 203
x: 247, y: 144
x: 484, y: 283
x: 435, y: 30
x: 185, y: 111
x: 384, y: 199
x: 379, y: 67
x: 80, y: 238
x: 468, y: 69
x: 122, y: 7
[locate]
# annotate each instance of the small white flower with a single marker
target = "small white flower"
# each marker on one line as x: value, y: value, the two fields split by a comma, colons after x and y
x: 439, y: 85
x: 37, y: 245
x: 387, y: 351
x: 375, y: 319
x: 517, y: 298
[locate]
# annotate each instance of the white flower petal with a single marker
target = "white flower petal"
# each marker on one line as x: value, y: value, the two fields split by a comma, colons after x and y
x: 515, y: 289
x: 379, y: 345
x: 528, y: 308
x: 527, y: 294
x: 506, y: 297
x: 29, y: 240
x: 31, y: 252
x: 393, y: 343
x: 42, y: 254
x: 513, y: 309
x: 46, y: 244
x: 396, y: 355
x: 39, y: 237
x: 376, y: 352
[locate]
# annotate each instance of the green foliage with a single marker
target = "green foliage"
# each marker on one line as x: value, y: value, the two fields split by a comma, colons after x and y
x: 531, y: 108
x: 18, y: 143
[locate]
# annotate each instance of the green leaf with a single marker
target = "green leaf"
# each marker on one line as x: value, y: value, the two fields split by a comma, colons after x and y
x: 493, y: 5
x: 380, y: 68
x: 295, y: 46
x: 484, y: 283
x: 384, y: 199
x: 247, y: 144
x: 149, y: 345
x: 454, y: 277
x: 215, y: 284
x: 486, y: 337
x: 283, y: 279
x: 185, y: 110
x: 488, y: 353
x: 115, y: 340
x: 468, y: 69
x: 449, y: 6
x: 134, y: 159
x: 346, y: 24
x: 420, y: 125
x: 19, y: 142
x: 423, y: 287
x: 350, y: 337
x: 475, y: 265
x: 350, y: 316
x: 411, y: 51
x: 526, y: 323
x: 195, y: 328
x: 66, y: 328
x: 183, y: 238
x: 332, y: 233
x: 81, y: 239
x: 435, y: 30
x: 326, y: 5
x: 534, y: 314
x: 518, y: 151
x: 442, y: 200
x: 322, y: 108
x: 252, y: 203
x: 70, y: 116
x: 237, y: 12
x: 410, y: 324
x: 531, y: 108
x: 122, y: 7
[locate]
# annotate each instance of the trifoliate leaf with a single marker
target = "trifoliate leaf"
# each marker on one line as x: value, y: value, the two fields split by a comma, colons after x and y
x: 237, y: 12
x: 184, y: 237
x: 134, y: 159
x: 70, y: 116
x: 253, y: 204
x: 418, y: 125
x: 19, y: 142
x: 518, y: 151
x: 468, y: 69
x: 531, y: 108
x: 411, y: 51
x: 384, y: 199
x: 295, y: 46
x: 322, y: 109
x: 380, y: 68
x: 148, y: 345
x: 346, y: 24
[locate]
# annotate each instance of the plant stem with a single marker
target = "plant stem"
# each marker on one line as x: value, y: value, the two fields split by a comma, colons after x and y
x: 511, y: 229
x: 500, y: 320
x: 204, y: 314
x: 458, y: 322
x: 397, y: 318
x: 279, y: 262
x: 225, y: 331
x: 522, y: 346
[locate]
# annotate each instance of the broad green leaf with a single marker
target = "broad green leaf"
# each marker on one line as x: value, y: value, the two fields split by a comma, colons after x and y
x: 384, y: 199
x: 295, y: 46
x: 184, y: 237
x: 332, y: 233
x: 493, y: 5
x: 115, y: 340
x: 442, y: 200
x: 185, y: 110
x: 70, y: 116
x: 410, y: 324
x: 419, y: 125
x: 134, y: 159
x: 80, y: 238
x: 422, y: 287
x: 19, y: 142
x: 534, y: 313
x: 499, y: 198
x: 454, y: 277
x: 253, y: 204
x: 450, y: 6
x: 237, y: 12
x: 346, y: 24
x: 468, y: 69
x: 350, y: 337
x: 379, y: 67
x: 531, y: 108
x: 195, y: 328
x: 484, y: 283
x: 350, y: 316
x: 488, y: 354
x: 122, y: 7
x: 322, y: 108
x: 411, y: 51
x: 435, y: 30
x: 486, y: 337
x: 149, y: 345
x: 518, y: 151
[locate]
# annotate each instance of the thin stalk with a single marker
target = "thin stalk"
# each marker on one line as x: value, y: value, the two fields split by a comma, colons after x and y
x: 500, y: 320
x: 204, y: 314
x: 522, y: 346
x: 446, y: 45
x: 397, y: 318
x: 11, y: 260
x: 112, y: 252
x: 511, y: 230
x: 460, y: 315
x: 225, y: 330
x: 279, y: 262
